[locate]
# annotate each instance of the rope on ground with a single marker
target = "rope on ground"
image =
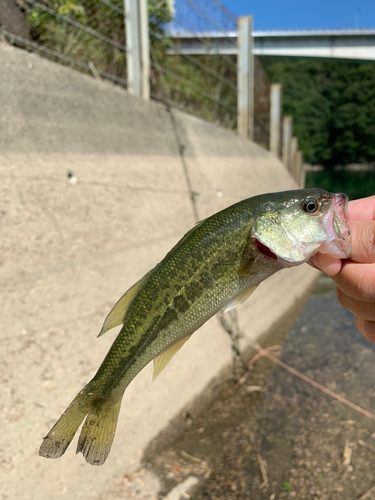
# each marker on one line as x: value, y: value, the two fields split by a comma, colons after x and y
x: 261, y: 352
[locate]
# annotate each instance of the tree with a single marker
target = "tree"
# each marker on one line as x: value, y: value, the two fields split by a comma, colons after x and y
x: 333, y: 106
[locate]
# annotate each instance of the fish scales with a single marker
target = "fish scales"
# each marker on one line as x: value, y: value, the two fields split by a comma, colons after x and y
x: 216, y: 264
x: 185, y: 273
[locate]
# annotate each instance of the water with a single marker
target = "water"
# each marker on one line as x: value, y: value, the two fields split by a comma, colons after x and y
x: 355, y: 184
x: 298, y: 433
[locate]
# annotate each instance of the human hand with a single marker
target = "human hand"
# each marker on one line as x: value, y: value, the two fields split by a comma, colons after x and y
x: 355, y: 277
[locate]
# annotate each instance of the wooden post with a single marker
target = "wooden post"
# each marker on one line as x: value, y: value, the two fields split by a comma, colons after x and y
x: 293, y: 158
x: 137, y: 48
x: 245, y: 78
x: 275, y: 118
x: 300, y: 169
x: 287, y: 134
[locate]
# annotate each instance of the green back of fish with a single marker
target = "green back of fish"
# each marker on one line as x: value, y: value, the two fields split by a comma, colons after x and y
x: 212, y: 263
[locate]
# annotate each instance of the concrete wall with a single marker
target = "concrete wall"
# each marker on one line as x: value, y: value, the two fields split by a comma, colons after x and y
x: 68, y: 252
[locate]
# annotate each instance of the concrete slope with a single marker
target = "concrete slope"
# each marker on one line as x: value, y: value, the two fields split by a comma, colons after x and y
x: 71, y: 246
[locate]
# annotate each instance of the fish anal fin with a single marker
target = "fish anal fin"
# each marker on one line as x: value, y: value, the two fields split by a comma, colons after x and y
x: 240, y: 298
x: 162, y: 359
x: 119, y: 310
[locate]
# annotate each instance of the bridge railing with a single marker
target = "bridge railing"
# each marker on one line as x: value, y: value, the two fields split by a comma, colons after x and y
x: 134, y: 44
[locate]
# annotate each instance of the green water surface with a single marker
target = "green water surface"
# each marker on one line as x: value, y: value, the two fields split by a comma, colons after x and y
x: 354, y: 184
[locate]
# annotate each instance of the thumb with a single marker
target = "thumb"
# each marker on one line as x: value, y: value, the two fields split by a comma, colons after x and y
x: 326, y: 263
x: 363, y: 242
x: 363, y: 249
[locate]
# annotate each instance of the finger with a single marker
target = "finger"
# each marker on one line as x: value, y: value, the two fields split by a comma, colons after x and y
x: 363, y: 242
x: 363, y: 248
x: 363, y: 209
x: 326, y: 263
x: 367, y: 328
x: 357, y: 280
x: 364, y: 310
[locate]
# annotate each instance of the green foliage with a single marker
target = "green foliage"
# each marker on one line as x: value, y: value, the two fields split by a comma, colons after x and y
x: 190, y: 86
x: 60, y: 36
x: 286, y: 487
x: 333, y: 107
x: 195, y: 90
x: 38, y: 17
x: 57, y: 34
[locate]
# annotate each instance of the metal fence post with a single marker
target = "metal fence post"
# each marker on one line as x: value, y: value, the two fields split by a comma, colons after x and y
x: 137, y: 48
x: 287, y: 135
x: 275, y: 118
x: 245, y: 78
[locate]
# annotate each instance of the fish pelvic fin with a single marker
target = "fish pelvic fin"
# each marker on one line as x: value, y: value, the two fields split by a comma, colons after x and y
x: 118, y: 312
x: 240, y: 298
x: 162, y: 359
x: 59, y: 437
x: 98, y: 431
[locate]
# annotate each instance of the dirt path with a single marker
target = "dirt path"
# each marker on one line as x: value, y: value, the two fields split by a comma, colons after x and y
x: 310, y: 445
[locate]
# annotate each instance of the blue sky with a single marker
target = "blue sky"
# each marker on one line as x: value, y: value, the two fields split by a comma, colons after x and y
x: 280, y: 14
x: 307, y: 14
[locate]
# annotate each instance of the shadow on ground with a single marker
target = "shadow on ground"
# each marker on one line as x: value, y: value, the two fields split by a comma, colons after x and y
x: 311, y: 446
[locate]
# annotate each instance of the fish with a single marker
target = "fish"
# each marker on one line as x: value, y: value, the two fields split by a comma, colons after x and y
x: 215, y: 266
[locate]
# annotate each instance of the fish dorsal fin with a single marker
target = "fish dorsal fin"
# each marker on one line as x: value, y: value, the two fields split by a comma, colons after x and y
x: 186, y: 236
x: 162, y: 359
x: 239, y: 299
x: 119, y: 310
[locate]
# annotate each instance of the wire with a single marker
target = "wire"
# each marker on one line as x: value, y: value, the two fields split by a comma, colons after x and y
x: 180, y: 145
x: 92, y: 32
x: 202, y: 40
x: 189, y: 108
x: 113, y: 6
x: 203, y: 14
x: 65, y: 58
x: 194, y: 87
x: 227, y: 12
x: 211, y: 72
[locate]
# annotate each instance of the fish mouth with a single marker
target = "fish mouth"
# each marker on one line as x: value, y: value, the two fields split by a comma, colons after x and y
x: 340, y: 243
x: 264, y: 250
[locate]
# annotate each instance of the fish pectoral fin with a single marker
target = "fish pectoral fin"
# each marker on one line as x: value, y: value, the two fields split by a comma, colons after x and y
x: 240, y: 298
x: 118, y: 312
x: 162, y: 359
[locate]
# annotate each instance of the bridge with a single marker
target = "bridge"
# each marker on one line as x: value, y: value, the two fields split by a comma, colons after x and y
x: 339, y: 44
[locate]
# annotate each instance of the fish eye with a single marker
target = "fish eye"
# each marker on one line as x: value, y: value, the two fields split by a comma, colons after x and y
x: 310, y: 205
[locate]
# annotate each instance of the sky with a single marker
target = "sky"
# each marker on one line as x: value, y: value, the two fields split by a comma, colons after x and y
x: 306, y: 14
x: 277, y: 14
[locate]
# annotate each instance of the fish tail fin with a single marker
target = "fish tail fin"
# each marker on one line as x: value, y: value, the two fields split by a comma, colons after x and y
x: 59, y: 437
x: 98, y: 431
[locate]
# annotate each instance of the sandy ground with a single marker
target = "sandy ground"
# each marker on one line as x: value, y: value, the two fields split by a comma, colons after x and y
x: 310, y: 445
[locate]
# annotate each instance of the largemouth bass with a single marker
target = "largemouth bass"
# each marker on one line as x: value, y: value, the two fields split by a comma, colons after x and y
x: 216, y: 265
